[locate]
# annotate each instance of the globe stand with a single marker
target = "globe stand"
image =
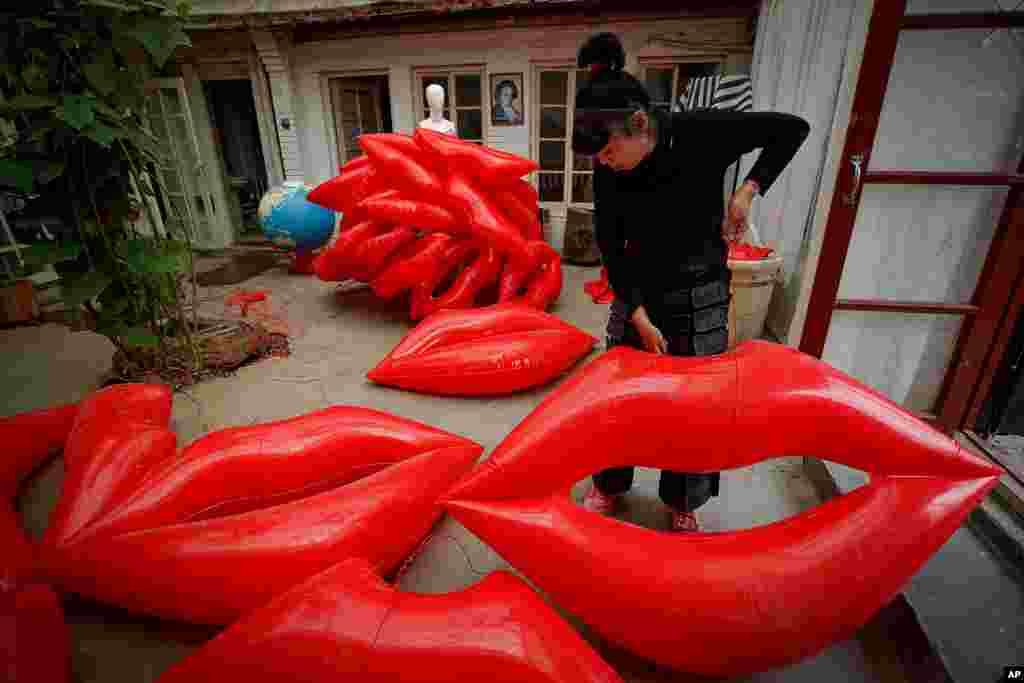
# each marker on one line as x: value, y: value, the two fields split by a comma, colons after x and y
x: 302, y: 263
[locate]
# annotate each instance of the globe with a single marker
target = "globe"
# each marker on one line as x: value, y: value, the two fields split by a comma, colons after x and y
x: 288, y: 219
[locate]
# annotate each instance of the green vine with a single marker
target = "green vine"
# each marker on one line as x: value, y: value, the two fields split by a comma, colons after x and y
x: 73, y: 129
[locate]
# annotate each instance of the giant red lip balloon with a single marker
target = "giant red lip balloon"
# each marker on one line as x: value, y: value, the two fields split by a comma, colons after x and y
x: 242, y: 514
x: 347, y: 624
x: 33, y: 637
x: 731, y: 603
x: 485, y: 351
x: 406, y: 186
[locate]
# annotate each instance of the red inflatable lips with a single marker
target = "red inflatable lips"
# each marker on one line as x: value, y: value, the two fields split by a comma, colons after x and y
x: 33, y: 637
x: 408, y: 186
x: 347, y: 624
x: 485, y: 351
x: 753, y: 599
x: 150, y: 530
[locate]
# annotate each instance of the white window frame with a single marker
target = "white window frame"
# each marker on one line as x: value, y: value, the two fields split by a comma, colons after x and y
x: 535, y: 139
x: 451, y: 71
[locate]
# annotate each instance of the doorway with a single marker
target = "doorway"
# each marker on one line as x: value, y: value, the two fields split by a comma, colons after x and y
x: 360, y: 105
x: 236, y: 135
x: 923, y: 241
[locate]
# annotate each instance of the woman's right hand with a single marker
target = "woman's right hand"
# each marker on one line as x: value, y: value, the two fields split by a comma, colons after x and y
x: 651, y: 336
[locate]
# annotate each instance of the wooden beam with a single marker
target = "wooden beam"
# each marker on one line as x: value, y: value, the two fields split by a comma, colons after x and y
x: 994, y: 361
x: 535, y: 17
x: 883, y: 306
x: 943, y: 178
x: 918, y: 22
x: 974, y: 364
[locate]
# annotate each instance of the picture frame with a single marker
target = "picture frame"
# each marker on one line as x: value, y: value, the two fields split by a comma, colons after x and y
x: 508, y: 104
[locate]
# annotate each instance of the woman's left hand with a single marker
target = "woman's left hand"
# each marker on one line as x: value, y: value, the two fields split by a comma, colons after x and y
x: 735, y: 224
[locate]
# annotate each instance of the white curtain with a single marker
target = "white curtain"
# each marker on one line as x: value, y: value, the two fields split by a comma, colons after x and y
x: 800, y: 55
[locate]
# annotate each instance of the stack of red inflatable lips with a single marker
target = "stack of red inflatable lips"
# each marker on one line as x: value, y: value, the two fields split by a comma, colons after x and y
x: 424, y: 210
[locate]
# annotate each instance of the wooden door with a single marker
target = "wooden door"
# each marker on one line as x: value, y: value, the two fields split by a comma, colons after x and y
x: 193, y: 208
x: 924, y: 240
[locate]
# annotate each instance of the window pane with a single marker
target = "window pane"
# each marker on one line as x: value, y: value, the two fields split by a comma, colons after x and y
x: 659, y: 84
x: 552, y: 156
x: 583, y: 188
x: 972, y: 98
x: 554, y: 87
x: 439, y: 80
x: 552, y: 122
x: 471, y: 124
x: 582, y: 162
x: 467, y: 90
x: 552, y: 187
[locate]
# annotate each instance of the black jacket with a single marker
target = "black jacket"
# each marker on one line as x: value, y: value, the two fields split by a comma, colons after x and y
x: 670, y: 207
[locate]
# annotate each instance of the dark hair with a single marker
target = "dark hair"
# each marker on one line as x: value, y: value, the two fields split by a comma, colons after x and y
x: 608, y: 98
x: 511, y: 84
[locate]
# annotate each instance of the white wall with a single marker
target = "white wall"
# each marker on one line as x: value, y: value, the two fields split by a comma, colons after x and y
x: 501, y: 51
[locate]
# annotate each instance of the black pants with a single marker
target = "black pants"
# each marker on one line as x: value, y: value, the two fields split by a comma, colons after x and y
x: 695, y: 322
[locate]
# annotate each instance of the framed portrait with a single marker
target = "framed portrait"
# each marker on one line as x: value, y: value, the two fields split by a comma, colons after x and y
x: 507, y: 100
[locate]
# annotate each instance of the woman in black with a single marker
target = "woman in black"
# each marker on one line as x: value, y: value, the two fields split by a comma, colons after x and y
x: 663, y: 230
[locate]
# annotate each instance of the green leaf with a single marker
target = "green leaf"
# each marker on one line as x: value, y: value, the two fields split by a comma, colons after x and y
x: 102, y: 74
x: 112, y: 4
x: 160, y: 37
x: 86, y: 288
x: 38, y: 23
x: 105, y: 109
x: 138, y: 336
x: 101, y: 134
x: 36, y: 77
x: 184, y: 9
x: 18, y: 174
x: 28, y: 102
x: 47, y: 171
x: 148, y: 257
x: 78, y: 111
x: 48, y: 253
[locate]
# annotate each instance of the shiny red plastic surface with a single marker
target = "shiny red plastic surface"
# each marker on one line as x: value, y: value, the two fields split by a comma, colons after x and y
x: 600, y: 290
x: 407, y: 187
x: 753, y: 599
x: 478, y: 275
x: 33, y: 638
x: 346, y: 623
x: 34, y: 645
x: 484, y: 351
x: 243, y: 514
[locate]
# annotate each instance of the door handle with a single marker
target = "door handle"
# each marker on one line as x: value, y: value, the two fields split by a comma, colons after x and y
x: 850, y: 198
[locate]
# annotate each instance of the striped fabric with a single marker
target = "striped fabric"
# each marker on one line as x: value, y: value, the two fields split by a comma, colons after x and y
x: 718, y: 92
x: 721, y: 92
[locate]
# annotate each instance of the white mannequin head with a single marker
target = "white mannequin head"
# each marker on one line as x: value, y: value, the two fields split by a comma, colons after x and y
x: 436, y: 120
x: 435, y: 99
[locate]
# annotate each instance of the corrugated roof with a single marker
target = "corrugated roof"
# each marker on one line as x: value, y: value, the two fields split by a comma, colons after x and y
x: 237, y: 13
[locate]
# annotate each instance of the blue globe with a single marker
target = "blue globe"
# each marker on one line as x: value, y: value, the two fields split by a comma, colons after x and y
x: 288, y: 219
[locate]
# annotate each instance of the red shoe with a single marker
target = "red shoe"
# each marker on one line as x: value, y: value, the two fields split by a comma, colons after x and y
x: 684, y: 521
x: 595, y: 501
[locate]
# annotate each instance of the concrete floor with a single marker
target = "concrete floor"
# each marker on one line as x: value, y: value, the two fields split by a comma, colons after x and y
x: 339, y: 337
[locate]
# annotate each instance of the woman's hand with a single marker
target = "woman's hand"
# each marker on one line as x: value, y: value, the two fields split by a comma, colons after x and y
x: 651, y: 336
x: 736, y: 217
